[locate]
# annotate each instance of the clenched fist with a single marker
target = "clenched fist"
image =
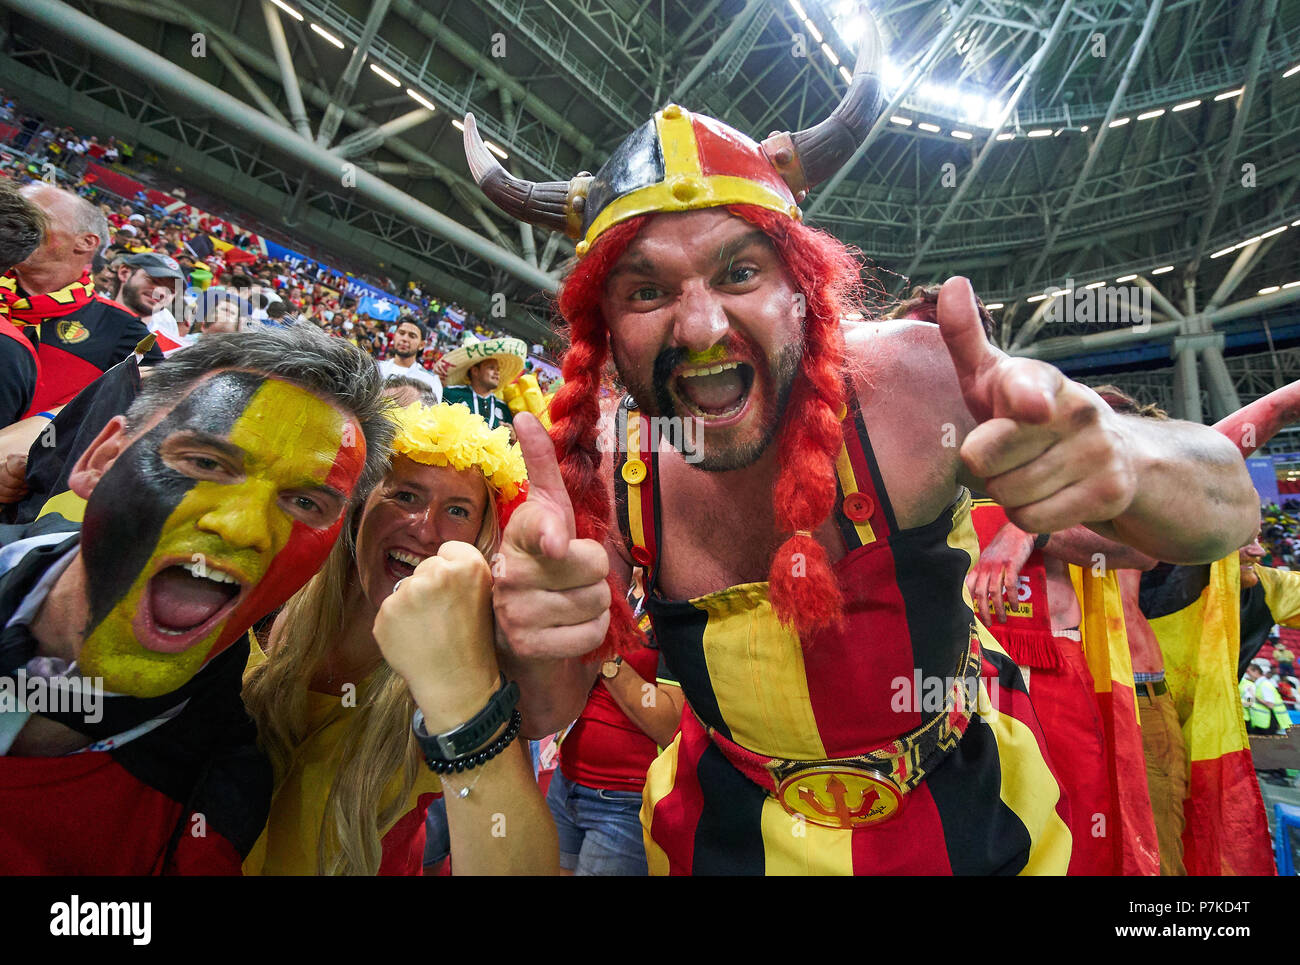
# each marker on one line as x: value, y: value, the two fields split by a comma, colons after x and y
x: 435, y: 631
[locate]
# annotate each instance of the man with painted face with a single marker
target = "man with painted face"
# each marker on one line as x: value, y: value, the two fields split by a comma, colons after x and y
x: 805, y: 542
x: 207, y: 505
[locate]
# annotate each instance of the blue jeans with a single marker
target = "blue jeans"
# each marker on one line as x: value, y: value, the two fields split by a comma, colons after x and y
x: 600, y: 831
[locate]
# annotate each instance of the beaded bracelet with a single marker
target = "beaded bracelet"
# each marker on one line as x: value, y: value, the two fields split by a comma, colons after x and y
x: 471, y: 761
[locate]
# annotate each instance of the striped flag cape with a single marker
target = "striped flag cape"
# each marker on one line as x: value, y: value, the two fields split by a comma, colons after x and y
x: 1227, y: 830
x: 1105, y: 647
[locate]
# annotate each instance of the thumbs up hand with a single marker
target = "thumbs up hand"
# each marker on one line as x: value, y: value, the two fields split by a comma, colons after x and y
x: 1049, y: 450
x: 549, y: 594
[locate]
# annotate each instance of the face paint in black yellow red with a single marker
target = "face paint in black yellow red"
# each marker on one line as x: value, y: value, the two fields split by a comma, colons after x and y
x: 160, y: 507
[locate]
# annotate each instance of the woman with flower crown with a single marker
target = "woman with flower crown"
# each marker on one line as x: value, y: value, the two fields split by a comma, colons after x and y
x: 351, y: 657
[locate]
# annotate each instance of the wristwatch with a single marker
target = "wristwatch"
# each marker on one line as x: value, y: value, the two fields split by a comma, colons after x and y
x: 474, y: 733
x: 609, y: 669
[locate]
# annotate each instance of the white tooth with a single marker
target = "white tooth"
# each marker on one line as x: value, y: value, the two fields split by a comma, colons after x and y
x: 716, y: 370
x: 729, y: 365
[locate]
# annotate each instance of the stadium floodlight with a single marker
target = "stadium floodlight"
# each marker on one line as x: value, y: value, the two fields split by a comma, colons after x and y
x: 1120, y: 121
x: 1269, y: 290
x: 1148, y: 115
x: 993, y: 306
x: 830, y: 54
x: 1006, y: 136
x: 1123, y: 278
x: 932, y: 128
x: 963, y: 135
x: 288, y: 9
x: 327, y: 35
x: 1229, y: 93
x: 1187, y: 105
x: 1041, y: 132
x: 905, y: 121
x: 386, y: 75
x: 1036, y: 298
x: 1293, y: 70
x: 1161, y: 271
x: 420, y: 99
x: 1096, y: 284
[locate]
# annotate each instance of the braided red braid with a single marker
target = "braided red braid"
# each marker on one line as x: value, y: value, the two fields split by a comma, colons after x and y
x: 575, y: 414
x: 804, y: 591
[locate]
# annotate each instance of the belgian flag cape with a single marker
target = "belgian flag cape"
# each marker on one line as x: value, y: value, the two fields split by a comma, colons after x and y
x: 1105, y: 647
x: 1226, y: 831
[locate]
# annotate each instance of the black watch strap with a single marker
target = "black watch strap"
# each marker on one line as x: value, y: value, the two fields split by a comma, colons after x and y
x: 1041, y: 540
x: 474, y: 733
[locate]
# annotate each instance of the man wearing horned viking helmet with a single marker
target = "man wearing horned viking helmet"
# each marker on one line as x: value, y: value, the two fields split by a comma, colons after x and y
x: 804, y: 566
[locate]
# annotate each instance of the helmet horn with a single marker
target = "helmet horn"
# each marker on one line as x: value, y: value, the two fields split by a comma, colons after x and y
x: 807, y: 158
x: 555, y: 205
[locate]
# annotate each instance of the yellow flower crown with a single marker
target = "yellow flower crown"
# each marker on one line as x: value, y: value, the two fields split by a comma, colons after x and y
x: 452, y: 435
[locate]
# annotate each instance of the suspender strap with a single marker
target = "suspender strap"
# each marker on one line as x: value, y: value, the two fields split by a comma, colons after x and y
x: 634, y: 485
x: 861, y: 511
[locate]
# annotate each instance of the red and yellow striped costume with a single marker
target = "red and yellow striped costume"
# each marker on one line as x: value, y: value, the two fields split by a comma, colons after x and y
x: 987, y: 802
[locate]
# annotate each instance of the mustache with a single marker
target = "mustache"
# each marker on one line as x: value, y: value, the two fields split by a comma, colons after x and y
x: 666, y: 362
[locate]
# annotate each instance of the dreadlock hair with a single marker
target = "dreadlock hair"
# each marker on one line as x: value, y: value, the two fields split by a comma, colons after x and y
x: 803, y: 590
x: 1120, y: 401
x: 922, y: 305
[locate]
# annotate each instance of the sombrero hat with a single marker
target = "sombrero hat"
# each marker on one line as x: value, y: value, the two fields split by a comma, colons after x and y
x: 508, y: 352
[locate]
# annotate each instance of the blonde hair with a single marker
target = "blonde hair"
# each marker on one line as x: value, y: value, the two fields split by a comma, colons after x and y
x: 378, y: 742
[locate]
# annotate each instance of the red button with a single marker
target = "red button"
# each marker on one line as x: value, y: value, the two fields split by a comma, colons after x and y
x: 642, y: 555
x: 858, y: 507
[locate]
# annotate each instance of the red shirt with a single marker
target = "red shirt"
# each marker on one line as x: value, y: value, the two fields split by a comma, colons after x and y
x: 604, y: 748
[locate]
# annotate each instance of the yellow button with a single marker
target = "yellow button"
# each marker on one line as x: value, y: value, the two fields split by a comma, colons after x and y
x: 672, y: 112
x: 634, y: 471
x: 686, y: 189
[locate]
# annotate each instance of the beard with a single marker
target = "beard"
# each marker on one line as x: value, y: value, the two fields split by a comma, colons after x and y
x: 655, y: 399
x: 404, y: 355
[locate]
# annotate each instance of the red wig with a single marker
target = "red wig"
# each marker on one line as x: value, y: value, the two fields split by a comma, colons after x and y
x: 803, y: 588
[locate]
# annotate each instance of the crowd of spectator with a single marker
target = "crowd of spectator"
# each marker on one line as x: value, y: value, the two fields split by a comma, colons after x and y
x: 222, y: 283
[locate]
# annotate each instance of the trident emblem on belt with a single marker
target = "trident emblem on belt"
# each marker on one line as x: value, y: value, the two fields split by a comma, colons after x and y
x: 838, y: 797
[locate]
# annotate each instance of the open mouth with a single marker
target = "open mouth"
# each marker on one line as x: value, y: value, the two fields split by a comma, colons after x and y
x: 715, y: 393
x: 185, y: 601
x: 399, y: 564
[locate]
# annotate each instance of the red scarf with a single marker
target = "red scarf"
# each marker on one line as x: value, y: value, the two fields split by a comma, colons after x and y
x: 1027, y: 634
x: 34, y: 309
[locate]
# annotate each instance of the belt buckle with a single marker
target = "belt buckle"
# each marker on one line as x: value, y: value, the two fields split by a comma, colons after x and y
x: 840, y: 795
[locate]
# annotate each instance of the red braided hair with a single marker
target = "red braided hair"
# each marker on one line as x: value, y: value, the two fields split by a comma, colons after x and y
x: 575, y: 414
x: 804, y: 592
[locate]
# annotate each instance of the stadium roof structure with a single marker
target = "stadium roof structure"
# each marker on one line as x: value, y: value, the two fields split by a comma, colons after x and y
x: 1039, y: 148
